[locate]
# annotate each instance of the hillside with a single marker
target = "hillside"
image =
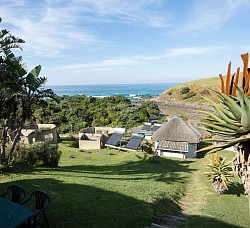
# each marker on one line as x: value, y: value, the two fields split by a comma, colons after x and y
x: 185, y: 99
x: 191, y: 93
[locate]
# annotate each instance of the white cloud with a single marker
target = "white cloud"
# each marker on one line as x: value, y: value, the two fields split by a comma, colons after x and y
x: 47, y: 31
x: 140, y: 12
x: 194, y: 50
x: 213, y: 13
x: 49, y: 27
x: 112, y: 64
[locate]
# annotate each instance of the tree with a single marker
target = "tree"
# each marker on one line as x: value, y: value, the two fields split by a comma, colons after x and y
x: 233, y: 121
x: 19, y: 92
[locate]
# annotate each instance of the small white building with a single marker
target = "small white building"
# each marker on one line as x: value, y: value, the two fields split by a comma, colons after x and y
x: 177, y: 138
x: 95, y: 137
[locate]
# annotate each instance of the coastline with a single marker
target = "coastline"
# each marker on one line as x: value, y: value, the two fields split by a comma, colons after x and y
x: 189, y: 110
x: 143, y: 90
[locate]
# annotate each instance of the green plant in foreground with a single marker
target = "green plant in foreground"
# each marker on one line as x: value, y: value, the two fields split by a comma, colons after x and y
x: 232, y: 123
x: 219, y: 174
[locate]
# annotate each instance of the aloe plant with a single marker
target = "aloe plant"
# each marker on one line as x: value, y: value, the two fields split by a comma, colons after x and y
x: 220, y: 173
x: 232, y: 122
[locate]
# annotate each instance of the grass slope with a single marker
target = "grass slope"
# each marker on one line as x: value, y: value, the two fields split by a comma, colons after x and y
x: 199, y: 87
x: 206, y: 208
x: 110, y: 188
x: 105, y: 188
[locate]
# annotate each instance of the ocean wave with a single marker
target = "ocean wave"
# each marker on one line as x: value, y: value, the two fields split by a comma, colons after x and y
x: 128, y: 90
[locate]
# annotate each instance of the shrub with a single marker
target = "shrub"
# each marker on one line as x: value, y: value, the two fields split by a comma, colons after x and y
x: 40, y: 153
x: 219, y: 173
x: 163, y: 120
x: 63, y: 128
x: 205, y: 92
x: 189, y: 95
x: 148, y: 146
x: 183, y: 117
x: 75, y: 144
x: 185, y: 90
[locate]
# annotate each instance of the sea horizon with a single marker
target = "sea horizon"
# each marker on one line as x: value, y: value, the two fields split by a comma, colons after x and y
x: 136, y: 90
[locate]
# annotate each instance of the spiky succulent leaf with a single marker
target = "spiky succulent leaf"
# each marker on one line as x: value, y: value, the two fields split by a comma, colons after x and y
x: 221, y: 171
x: 224, y: 127
x: 214, y: 117
x: 231, y: 104
x: 223, y: 145
x: 245, y: 107
x: 225, y: 134
x: 221, y: 111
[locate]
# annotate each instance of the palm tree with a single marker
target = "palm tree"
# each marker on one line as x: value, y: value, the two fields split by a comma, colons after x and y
x: 31, y: 93
x: 232, y: 123
x: 10, y: 71
x: 19, y: 92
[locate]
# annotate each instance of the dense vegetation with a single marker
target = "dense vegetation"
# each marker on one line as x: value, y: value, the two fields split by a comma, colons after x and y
x: 72, y: 113
x: 20, y: 91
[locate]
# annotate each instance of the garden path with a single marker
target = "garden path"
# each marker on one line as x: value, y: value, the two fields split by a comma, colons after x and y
x: 191, y: 204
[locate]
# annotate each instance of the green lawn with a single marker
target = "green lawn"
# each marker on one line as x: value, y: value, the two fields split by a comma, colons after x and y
x: 105, y: 188
x: 206, y: 208
x: 110, y: 188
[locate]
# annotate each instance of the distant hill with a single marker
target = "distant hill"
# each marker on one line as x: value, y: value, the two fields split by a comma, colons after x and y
x: 191, y: 93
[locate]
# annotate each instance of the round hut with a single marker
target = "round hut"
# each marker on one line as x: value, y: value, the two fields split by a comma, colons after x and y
x: 177, y: 138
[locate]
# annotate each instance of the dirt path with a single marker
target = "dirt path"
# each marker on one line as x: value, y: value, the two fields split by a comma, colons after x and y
x: 191, y: 204
x: 195, y: 197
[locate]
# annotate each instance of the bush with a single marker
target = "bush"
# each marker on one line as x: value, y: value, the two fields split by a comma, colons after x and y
x: 40, y: 153
x: 185, y: 90
x: 219, y: 173
x: 184, y: 118
x: 205, y: 92
x: 64, y: 128
x: 148, y: 146
x: 75, y: 144
x: 189, y: 95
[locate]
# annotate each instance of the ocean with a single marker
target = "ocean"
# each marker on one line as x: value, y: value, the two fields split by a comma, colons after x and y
x: 127, y: 90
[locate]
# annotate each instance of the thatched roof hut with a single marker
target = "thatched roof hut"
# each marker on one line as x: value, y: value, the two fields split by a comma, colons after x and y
x: 177, y: 130
x: 177, y: 138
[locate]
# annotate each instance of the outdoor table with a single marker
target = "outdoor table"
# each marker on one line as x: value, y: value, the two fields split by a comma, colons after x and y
x: 13, y: 214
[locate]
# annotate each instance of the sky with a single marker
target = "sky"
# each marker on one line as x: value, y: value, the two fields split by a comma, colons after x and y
x: 81, y: 42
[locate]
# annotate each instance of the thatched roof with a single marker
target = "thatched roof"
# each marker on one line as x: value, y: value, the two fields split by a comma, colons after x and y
x: 177, y: 130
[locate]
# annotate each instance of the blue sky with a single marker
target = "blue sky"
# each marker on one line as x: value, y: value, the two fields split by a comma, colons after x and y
x: 129, y: 41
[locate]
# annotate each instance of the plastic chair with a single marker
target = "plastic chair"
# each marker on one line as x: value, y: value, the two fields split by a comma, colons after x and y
x: 15, y: 193
x: 39, y: 200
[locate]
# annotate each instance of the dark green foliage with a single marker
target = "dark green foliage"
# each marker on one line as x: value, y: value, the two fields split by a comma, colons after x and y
x: 75, y: 144
x: 185, y: 90
x: 73, y: 113
x: 205, y: 92
x: 183, y: 117
x: 39, y: 154
x: 147, y: 146
x: 20, y: 91
x: 189, y: 95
